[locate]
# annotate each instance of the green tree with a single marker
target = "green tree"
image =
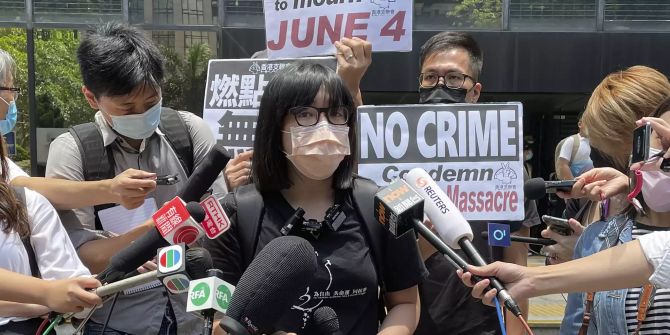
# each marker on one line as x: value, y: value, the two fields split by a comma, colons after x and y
x: 186, y: 76
x: 60, y: 102
x: 478, y: 13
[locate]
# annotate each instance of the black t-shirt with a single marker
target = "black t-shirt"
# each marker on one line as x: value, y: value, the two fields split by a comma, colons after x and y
x: 447, y: 306
x: 345, y: 280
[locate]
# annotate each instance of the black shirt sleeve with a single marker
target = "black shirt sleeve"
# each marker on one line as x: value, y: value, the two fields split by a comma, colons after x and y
x: 403, y: 267
x: 226, y: 253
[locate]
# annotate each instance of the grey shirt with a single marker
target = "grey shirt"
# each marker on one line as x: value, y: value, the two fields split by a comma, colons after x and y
x: 139, y: 313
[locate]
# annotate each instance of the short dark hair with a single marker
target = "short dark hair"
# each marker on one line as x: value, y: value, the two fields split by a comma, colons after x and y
x: 296, y: 85
x: 115, y: 59
x: 449, y: 40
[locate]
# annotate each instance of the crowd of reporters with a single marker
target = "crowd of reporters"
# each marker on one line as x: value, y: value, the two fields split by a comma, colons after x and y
x: 304, y: 157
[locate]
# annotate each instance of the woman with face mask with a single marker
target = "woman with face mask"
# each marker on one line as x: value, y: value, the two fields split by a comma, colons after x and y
x: 304, y: 157
x: 614, y: 107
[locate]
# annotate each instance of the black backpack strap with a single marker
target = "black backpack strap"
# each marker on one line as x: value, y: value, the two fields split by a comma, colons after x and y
x: 250, y: 211
x: 20, y: 193
x: 97, y: 160
x: 177, y: 134
x: 364, y: 191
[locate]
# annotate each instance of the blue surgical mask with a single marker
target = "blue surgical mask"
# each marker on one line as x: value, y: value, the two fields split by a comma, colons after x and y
x: 7, y: 125
x: 138, y: 126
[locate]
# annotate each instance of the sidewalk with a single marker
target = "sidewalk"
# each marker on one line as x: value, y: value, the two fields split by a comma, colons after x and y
x: 546, y: 312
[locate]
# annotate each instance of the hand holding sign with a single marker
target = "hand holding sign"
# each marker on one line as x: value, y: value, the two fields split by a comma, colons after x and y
x: 354, y: 56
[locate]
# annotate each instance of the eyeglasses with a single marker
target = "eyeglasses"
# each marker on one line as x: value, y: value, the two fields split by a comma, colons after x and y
x: 451, y: 79
x: 308, y: 116
x: 15, y: 91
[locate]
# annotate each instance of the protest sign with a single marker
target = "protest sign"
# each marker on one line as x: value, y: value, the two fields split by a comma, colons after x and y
x: 233, y: 95
x: 473, y: 151
x: 297, y: 28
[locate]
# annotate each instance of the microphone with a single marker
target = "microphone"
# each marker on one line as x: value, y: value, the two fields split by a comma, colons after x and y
x: 209, y: 295
x: 536, y: 188
x: 141, y: 250
x: 205, y: 174
x: 192, y: 268
x: 452, y: 226
x: 325, y: 321
x: 176, y: 271
x: 175, y: 223
x: 273, y: 282
x: 399, y: 208
x: 524, y: 239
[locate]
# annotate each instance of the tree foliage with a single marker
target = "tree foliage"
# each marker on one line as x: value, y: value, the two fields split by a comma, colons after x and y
x: 478, y: 13
x: 184, y: 86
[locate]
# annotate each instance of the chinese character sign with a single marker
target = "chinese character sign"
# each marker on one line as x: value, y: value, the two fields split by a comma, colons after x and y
x: 297, y: 28
x: 233, y: 95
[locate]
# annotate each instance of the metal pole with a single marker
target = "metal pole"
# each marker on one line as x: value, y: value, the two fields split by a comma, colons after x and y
x: 32, y: 102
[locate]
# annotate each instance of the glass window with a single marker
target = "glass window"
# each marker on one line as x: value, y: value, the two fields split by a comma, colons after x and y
x: 553, y: 15
x: 637, y: 15
x: 164, y: 39
x: 136, y: 11
x: 79, y: 11
x: 243, y: 13
x: 460, y: 14
x: 163, y: 12
x: 13, y: 10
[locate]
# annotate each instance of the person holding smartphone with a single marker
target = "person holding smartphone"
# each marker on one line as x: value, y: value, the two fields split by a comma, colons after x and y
x: 608, y: 114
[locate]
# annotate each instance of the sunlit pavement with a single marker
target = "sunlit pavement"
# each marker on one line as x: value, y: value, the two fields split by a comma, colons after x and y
x: 546, y: 312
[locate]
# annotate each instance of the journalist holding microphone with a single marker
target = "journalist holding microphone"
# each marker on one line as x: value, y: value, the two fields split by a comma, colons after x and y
x: 304, y: 158
x: 625, y: 270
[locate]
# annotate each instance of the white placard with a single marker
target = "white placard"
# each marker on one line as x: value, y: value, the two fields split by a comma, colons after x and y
x: 473, y: 151
x: 298, y: 28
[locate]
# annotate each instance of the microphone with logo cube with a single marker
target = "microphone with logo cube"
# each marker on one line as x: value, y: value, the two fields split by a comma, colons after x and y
x: 209, y: 295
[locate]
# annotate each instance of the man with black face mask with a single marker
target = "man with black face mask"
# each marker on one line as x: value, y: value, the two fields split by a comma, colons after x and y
x: 450, y: 64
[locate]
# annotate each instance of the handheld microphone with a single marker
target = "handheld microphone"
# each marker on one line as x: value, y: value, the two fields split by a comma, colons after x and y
x: 273, y: 282
x: 141, y: 250
x: 400, y: 209
x: 536, y: 188
x: 192, y: 269
x: 452, y: 226
x: 176, y: 224
x: 205, y: 174
x: 325, y: 321
x: 175, y: 270
x: 525, y: 239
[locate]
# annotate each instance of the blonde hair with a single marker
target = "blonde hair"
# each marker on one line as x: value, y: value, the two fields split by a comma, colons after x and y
x: 618, y: 101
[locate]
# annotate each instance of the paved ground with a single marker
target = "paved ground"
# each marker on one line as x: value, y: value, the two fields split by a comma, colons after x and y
x: 546, y: 312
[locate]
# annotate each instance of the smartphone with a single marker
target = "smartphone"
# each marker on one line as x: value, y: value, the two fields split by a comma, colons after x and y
x: 552, y: 186
x: 558, y: 225
x: 169, y: 179
x: 641, y: 144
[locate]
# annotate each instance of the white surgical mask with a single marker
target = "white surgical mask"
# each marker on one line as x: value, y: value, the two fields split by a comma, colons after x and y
x: 318, y: 150
x: 138, y: 126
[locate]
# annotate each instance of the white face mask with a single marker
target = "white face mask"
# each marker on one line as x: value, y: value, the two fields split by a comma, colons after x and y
x: 138, y: 126
x: 318, y: 150
x: 656, y: 190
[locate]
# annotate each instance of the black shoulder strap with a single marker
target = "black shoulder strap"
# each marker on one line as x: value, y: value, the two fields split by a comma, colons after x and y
x: 250, y: 212
x: 97, y: 160
x: 20, y: 193
x: 178, y: 136
x: 364, y: 191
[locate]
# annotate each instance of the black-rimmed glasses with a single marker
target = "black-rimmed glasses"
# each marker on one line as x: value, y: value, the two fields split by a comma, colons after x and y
x: 14, y: 90
x: 308, y: 116
x: 451, y: 79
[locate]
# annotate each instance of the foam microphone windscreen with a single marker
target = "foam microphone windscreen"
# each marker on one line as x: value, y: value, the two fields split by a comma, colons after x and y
x: 196, y: 211
x: 534, y: 188
x: 198, y: 261
x: 272, y: 283
x: 325, y: 320
x: 205, y: 174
